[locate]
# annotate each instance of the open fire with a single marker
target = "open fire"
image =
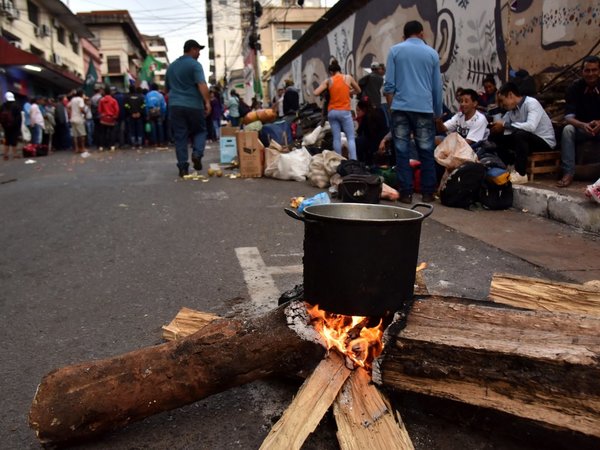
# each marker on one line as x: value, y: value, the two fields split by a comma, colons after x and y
x: 350, y: 335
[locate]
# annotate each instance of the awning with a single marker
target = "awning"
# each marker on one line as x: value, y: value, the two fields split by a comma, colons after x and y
x: 11, y: 56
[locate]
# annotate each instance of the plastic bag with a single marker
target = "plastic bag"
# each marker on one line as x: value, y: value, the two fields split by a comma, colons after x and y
x: 454, y: 151
x: 25, y: 133
x: 317, y: 176
x: 290, y: 166
x: 321, y: 198
x: 593, y: 191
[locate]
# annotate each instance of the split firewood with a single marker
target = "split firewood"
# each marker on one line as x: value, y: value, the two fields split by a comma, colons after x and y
x: 77, y: 402
x: 365, y: 420
x: 186, y: 322
x: 533, y: 364
x: 309, y: 406
x: 533, y: 293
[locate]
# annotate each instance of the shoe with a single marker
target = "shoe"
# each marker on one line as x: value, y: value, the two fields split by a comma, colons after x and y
x: 517, y: 178
x: 197, y: 162
x: 100, y: 149
x: 565, y: 181
x: 427, y: 198
x: 407, y: 198
x: 183, y: 172
x: 112, y: 149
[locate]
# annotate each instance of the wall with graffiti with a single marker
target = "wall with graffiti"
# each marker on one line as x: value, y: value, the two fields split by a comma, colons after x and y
x: 473, y: 39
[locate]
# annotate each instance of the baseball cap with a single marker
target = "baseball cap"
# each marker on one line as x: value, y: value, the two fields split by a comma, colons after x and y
x: 190, y: 44
x: 9, y: 97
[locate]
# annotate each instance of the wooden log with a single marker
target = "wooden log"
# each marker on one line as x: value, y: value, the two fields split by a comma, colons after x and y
x: 365, y: 420
x: 534, y: 364
x: 308, y: 407
x: 186, y: 322
x: 75, y: 403
x: 533, y: 293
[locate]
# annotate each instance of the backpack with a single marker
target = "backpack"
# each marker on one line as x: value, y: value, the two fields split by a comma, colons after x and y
x: 496, y: 197
x: 243, y: 108
x: 352, y: 167
x: 463, y: 185
x: 6, y: 118
x: 357, y: 188
x: 154, y: 112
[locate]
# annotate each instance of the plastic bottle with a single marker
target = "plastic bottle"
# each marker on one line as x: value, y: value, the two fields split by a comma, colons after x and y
x: 321, y: 198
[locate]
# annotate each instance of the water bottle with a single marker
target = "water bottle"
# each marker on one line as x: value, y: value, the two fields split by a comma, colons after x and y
x: 321, y: 198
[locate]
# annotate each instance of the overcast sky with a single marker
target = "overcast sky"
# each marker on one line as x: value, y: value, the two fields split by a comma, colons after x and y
x: 175, y: 20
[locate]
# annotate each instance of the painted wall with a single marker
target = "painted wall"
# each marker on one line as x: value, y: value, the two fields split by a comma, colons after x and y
x: 473, y: 39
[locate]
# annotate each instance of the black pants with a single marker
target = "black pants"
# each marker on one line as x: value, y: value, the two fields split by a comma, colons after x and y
x: 514, y: 148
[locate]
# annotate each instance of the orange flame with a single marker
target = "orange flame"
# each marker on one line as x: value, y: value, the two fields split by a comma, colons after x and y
x: 349, y: 335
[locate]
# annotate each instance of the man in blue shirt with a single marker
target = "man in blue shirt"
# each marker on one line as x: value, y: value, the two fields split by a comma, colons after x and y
x: 156, y: 110
x: 413, y: 90
x: 189, y: 104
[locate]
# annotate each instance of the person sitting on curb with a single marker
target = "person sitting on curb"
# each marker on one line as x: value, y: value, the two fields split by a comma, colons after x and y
x: 468, y: 122
x: 524, y: 128
x: 582, y: 114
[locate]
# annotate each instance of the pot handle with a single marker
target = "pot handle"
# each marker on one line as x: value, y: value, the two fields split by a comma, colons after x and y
x: 424, y: 205
x: 294, y: 214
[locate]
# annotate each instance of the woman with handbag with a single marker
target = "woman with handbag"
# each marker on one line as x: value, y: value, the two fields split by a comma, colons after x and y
x: 339, y: 114
x: 108, y: 110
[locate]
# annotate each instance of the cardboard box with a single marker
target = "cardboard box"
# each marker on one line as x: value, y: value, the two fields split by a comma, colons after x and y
x: 227, y: 149
x: 250, y: 154
x: 229, y: 131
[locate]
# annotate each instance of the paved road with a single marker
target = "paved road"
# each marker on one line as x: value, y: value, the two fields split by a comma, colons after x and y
x: 98, y: 253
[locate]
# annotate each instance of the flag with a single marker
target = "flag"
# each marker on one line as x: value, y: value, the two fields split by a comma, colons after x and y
x: 90, y: 80
x: 150, y: 65
x: 129, y: 79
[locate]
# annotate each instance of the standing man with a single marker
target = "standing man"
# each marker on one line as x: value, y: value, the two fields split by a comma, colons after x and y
x: 371, y: 84
x: 582, y: 114
x: 189, y: 104
x: 75, y: 109
x: 413, y: 89
x: 156, y: 111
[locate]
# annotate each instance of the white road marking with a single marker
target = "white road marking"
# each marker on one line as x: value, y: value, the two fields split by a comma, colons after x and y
x: 259, y: 277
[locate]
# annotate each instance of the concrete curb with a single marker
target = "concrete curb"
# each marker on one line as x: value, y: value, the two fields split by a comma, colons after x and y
x: 578, y: 212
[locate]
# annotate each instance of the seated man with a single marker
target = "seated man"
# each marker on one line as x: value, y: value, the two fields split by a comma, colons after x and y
x: 468, y: 122
x: 582, y: 114
x: 525, y: 127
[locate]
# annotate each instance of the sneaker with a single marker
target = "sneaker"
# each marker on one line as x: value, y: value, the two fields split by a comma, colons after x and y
x: 427, y: 198
x: 197, y: 162
x: 406, y: 198
x: 517, y: 178
x: 183, y: 172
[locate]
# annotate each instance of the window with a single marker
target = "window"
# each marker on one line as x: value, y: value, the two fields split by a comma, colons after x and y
x: 33, y: 13
x: 60, y: 35
x: 289, y: 34
x: 114, y: 64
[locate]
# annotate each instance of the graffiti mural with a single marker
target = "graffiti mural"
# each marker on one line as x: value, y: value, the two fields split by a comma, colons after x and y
x: 473, y: 39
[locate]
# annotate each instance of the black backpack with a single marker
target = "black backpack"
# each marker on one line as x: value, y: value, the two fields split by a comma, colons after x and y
x: 243, y: 108
x: 352, y: 167
x: 493, y: 196
x: 463, y: 185
x: 356, y: 188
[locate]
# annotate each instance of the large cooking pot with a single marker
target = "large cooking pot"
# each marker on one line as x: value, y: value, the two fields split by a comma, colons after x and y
x: 360, y: 259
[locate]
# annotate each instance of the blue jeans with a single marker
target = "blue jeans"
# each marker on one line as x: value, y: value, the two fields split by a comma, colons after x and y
x: 36, y: 134
x: 217, y: 127
x: 235, y: 121
x: 572, y: 136
x: 422, y: 127
x: 186, y: 124
x: 157, y: 134
x: 89, y: 129
x: 342, y: 120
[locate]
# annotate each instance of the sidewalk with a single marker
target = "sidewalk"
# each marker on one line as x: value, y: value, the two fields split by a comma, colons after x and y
x: 526, y: 232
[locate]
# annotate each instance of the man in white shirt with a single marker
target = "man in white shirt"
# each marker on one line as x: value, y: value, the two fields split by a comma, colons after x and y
x: 468, y: 122
x: 76, y: 108
x: 524, y: 128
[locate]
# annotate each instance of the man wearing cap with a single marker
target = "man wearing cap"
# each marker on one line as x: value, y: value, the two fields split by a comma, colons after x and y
x: 189, y: 104
x: 371, y: 84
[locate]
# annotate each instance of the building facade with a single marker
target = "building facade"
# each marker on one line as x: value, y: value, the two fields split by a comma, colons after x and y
x: 41, y: 47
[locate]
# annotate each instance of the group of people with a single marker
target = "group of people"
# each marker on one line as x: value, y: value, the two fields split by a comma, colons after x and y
x: 514, y: 122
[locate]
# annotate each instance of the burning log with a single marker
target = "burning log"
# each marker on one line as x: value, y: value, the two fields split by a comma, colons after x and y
x: 535, y: 364
x: 365, y: 419
x: 533, y: 293
x: 77, y: 402
x: 310, y: 404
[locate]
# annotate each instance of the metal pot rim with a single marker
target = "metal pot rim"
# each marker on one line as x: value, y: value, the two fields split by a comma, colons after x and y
x: 315, y: 212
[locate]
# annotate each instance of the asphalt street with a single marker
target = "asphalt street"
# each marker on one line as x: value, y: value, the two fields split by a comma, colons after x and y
x: 99, y: 253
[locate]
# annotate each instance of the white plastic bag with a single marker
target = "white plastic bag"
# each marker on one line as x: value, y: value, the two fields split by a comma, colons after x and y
x: 453, y: 152
x: 290, y: 166
x: 593, y: 191
x: 331, y: 161
x: 25, y: 133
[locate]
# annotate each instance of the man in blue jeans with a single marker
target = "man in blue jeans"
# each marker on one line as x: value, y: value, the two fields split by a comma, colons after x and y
x: 413, y: 90
x: 189, y: 104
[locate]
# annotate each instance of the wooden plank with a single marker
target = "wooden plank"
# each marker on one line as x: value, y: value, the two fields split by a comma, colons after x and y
x: 186, y: 322
x: 536, y: 294
x: 365, y: 420
x: 539, y: 365
x: 308, y: 407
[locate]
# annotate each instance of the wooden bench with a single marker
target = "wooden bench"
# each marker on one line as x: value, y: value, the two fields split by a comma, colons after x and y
x: 543, y: 162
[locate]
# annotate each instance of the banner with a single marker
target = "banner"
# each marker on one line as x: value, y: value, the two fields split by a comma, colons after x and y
x: 150, y: 65
x: 90, y: 80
